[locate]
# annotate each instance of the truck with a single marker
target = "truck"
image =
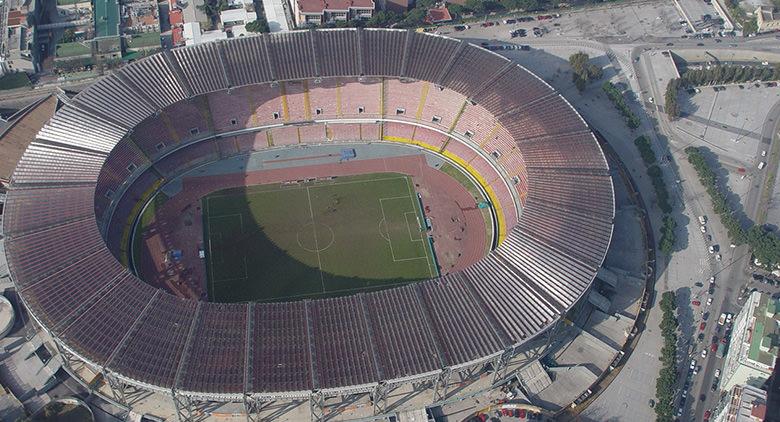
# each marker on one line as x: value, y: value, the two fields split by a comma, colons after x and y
x: 722, y: 319
x: 721, y: 350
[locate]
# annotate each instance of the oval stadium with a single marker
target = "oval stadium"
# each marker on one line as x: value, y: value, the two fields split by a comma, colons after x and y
x: 329, y: 138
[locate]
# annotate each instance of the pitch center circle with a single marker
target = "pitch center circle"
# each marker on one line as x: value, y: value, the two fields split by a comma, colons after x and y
x: 315, y: 237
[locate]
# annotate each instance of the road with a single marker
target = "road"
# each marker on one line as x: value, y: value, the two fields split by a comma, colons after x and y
x: 730, y: 273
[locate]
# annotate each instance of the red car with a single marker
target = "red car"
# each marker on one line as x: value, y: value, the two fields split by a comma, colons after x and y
x: 713, y: 347
x: 707, y: 416
x: 702, y: 325
x: 696, y: 303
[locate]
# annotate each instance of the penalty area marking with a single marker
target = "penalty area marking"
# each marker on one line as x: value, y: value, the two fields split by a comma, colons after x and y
x: 389, y: 241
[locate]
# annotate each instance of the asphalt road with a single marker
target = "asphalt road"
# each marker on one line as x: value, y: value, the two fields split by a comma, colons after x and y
x: 729, y: 274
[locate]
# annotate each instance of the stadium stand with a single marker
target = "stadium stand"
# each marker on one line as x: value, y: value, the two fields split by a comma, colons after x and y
x: 344, y: 132
x: 202, y: 67
x: 397, y: 317
x: 188, y: 157
x: 155, y: 76
x: 97, y: 333
x: 341, y: 46
x: 116, y: 102
x: 279, y: 331
x: 405, y: 95
x: 442, y: 107
x: 547, y: 261
x: 286, y: 135
x: 152, y: 355
x: 312, y: 133
x: 216, y: 361
x: 481, y: 125
x: 54, y: 165
x: 461, y: 77
x: 295, y: 107
x: 247, y: 61
x: 31, y: 209
x: 360, y: 98
x: 323, y: 98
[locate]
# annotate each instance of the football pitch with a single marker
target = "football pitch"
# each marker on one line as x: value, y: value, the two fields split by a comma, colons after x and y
x: 314, y: 239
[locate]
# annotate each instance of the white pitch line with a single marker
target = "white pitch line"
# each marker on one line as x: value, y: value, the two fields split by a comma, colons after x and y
x: 316, y: 244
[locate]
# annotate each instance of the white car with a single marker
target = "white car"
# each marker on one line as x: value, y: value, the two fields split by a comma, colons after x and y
x: 651, y: 100
x: 703, y: 229
x: 717, y: 373
x: 718, y: 257
x: 704, y: 353
x: 709, y: 301
x: 728, y: 318
x: 712, y: 279
x: 693, y: 364
x: 711, y: 249
x: 763, y: 153
x: 702, y: 220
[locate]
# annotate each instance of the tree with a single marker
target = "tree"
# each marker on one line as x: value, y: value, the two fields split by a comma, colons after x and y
x: 69, y: 35
x: 383, y: 18
x: 476, y: 6
x: 670, y: 99
x: 749, y: 26
x: 258, y: 25
x: 583, y: 71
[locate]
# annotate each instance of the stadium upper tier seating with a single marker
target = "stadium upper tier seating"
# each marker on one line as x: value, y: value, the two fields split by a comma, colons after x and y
x: 155, y: 118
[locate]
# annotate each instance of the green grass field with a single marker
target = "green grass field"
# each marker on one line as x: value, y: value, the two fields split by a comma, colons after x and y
x: 326, y: 238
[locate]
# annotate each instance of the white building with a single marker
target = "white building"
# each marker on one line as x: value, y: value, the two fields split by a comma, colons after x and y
x: 754, y: 343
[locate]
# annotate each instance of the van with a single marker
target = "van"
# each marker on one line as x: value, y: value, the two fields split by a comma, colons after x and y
x: 761, y: 165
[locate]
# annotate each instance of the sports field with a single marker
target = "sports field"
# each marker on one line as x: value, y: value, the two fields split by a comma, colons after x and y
x: 314, y: 239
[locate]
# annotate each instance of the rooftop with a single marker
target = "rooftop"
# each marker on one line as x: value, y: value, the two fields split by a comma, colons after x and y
x: 24, y: 125
x: 318, y: 6
x: 765, y: 335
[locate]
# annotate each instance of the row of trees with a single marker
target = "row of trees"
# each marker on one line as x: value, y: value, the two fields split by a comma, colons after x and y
x: 667, y: 377
x: 666, y: 242
x: 764, y: 244
x: 667, y: 239
x: 614, y: 95
x: 583, y: 71
x: 670, y: 98
x: 730, y: 74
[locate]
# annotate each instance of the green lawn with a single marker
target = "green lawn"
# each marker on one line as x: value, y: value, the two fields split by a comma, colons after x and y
x: 145, y: 40
x: 317, y: 239
x: 14, y: 80
x: 73, y: 49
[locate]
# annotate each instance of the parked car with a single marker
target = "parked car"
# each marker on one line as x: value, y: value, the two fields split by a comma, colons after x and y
x: 696, y: 303
x: 709, y: 301
x: 703, y: 229
x: 702, y: 326
x: 704, y: 353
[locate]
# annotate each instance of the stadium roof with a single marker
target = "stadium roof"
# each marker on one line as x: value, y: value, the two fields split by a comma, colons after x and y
x: 22, y: 128
x: 80, y: 293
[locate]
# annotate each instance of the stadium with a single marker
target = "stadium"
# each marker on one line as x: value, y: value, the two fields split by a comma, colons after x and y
x: 80, y: 190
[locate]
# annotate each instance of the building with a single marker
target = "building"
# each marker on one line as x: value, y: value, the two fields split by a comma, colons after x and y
x: 232, y: 17
x: 318, y: 12
x: 276, y: 15
x: 767, y: 20
x: 754, y: 343
x: 744, y: 403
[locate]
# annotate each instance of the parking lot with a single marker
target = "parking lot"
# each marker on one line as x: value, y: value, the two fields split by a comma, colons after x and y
x: 626, y: 22
x: 696, y: 10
